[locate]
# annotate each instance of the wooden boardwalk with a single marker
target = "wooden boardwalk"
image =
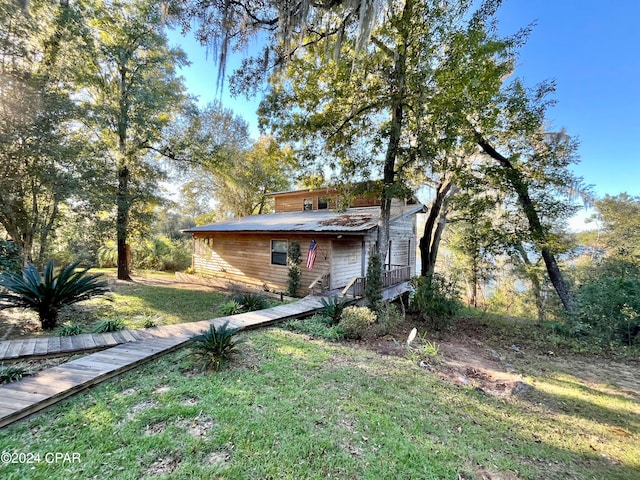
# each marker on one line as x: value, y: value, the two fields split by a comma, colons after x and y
x: 32, y: 394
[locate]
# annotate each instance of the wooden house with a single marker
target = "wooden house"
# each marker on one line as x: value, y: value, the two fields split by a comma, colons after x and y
x: 253, y: 250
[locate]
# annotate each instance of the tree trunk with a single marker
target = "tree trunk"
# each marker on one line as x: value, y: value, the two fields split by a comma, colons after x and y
x: 432, y: 233
x: 122, y: 223
x: 535, y: 283
x: 535, y: 225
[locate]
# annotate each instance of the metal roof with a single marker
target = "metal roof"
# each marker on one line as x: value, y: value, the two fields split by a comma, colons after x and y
x: 352, y: 221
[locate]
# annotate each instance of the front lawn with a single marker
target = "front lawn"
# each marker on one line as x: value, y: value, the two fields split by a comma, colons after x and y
x: 290, y: 407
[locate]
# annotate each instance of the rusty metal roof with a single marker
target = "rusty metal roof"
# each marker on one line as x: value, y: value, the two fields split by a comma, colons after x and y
x: 352, y: 221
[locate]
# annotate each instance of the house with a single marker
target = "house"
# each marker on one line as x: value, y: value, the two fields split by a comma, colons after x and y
x: 253, y: 250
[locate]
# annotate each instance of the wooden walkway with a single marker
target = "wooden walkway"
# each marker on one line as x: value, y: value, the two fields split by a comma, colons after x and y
x: 32, y: 394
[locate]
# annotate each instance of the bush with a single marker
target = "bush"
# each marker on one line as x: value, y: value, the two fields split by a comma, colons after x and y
x: 435, y: 299
x: 230, y: 308
x: 69, y: 329
x: 48, y: 293
x: 216, y: 345
x: 12, y: 373
x: 389, y: 317
x: 332, y: 307
x: 251, y: 301
x: 109, y: 325
x: 10, y: 259
x: 373, y: 284
x: 608, y: 303
x: 355, y: 321
x: 319, y: 326
x: 294, y: 259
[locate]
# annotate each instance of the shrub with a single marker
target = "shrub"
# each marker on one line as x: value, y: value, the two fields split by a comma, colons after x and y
x: 69, y: 329
x: 373, y: 284
x: 319, y: 326
x: 109, y: 325
x: 294, y: 259
x: 355, y: 321
x: 230, y: 308
x: 608, y: 303
x: 251, y: 301
x: 435, y: 299
x: 216, y: 345
x: 47, y: 294
x: 12, y: 373
x: 389, y: 317
x: 333, y: 307
x: 10, y: 259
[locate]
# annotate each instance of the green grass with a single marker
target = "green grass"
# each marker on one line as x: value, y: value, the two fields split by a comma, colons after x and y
x: 293, y: 408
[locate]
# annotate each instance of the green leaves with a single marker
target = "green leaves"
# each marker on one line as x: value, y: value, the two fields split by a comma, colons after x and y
x: 48, y: 293
x: 216, y: 345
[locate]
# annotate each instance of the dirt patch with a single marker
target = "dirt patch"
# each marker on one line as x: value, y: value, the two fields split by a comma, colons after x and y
x: 189, y: 401
x: 162, y: 466
x: 155, y: 428
x: 219, y: 457
x: 198, y: 427
x: 162, y: 389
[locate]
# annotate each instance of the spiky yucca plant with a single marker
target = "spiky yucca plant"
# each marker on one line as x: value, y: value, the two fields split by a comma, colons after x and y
x: 216, y: 345
x: 47, y: 293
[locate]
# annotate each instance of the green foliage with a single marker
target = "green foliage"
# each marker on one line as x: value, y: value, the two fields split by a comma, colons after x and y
x: 231, y: 307
x: 216, y: 345
x: 421, y: 349
x: 318, y: 325
x: 373, y: 285
x: 10, y: 258
x: 608, y: 303
x: 12, y: 373
x: 333, y: 307
x: 434, y: 299
x: 48, y: 293
x: 162, y: 254
x: 69, y: 329
x: 355, y: 321
x: 388, y: 318
x: 294, y: 257
x: 109, y: 325
x: 251, y: 301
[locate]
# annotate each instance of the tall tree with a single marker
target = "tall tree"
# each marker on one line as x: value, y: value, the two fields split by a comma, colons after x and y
x: 40, y: 152
x: 135, y: 92
x: 383, y: 111
x: 619, y: 217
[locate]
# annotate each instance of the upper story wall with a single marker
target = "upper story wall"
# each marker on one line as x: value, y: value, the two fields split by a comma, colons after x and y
x: 318, y: 199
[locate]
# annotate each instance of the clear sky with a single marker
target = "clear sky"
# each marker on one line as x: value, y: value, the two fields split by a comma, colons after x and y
x: 590, y: 47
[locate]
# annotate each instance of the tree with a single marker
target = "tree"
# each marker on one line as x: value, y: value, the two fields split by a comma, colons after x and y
x: 383, y: 111
x: 230, y: 167
x: 619, y: 217
x: 135, y: 92
x: 41, y: 150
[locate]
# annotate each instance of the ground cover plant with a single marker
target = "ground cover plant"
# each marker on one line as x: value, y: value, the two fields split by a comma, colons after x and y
x: 290, y: 407
x: 151, y: 299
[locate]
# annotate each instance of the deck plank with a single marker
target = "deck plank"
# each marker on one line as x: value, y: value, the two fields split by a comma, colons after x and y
x: 4, y: 346
x: 28, y: 347
x: 14, y: 348
x: 42, y: 346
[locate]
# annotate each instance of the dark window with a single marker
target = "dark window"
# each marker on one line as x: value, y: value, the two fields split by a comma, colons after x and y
x: 279, y: 252
x: 307, y: 204
x: 323, y: 203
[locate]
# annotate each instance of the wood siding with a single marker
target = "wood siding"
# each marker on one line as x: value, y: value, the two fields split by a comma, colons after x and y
x: 347, y: 261
x: 246, y: 258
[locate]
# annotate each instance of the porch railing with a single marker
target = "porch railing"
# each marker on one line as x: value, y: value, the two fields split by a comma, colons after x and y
x: 392, y: 275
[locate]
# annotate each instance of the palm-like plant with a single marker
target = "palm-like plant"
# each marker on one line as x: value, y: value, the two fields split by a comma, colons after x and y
x: 47, y: 293
x: 216, y: 345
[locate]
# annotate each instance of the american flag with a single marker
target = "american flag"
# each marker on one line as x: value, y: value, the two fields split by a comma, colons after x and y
x: 311, y: 254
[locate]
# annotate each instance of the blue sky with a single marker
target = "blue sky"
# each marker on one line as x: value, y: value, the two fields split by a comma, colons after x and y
x: 590, y: 47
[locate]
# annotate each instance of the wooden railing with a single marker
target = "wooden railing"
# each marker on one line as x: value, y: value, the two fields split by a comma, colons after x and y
x: 393, y: 276
x: 321, y: 282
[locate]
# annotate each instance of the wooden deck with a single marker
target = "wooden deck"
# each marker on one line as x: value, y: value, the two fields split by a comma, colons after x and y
x: 32, y: 394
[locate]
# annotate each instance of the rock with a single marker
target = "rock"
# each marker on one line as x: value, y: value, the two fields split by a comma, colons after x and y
x: 493, y: 354
x: 509, y: 368
x: 515, y: 348
x: 520, y: 388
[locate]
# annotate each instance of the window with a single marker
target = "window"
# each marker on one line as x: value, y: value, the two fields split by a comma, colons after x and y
x: 279, y: 252
x: 323, y: 203
x: 307, y: 204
